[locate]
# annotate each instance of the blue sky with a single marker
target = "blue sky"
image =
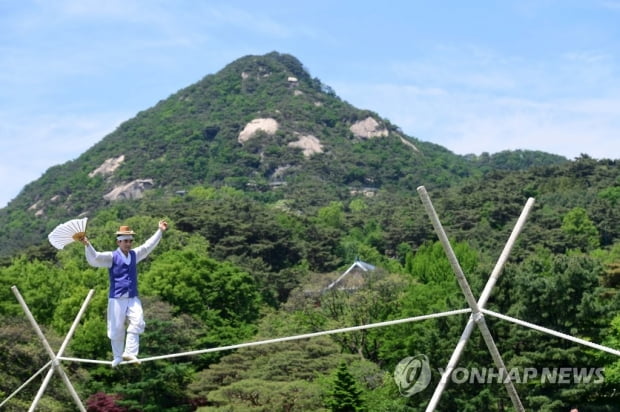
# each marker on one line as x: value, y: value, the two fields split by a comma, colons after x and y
x: 481, y: 76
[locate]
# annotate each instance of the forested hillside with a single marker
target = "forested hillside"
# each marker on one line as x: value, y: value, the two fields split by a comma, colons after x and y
x: 261, y: 123
x: 260, y: 227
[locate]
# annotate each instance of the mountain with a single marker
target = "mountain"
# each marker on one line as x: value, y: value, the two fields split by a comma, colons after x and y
x: 273, y: 187
x: 262, y: 125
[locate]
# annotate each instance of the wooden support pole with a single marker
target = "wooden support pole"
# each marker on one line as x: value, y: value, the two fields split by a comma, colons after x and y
x: 476, y: 316
x: 55, y: 362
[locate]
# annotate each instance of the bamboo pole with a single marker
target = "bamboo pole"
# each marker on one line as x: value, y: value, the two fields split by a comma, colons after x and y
x: 55, y: 363
x: 26, y: 383
x: 476, y: 316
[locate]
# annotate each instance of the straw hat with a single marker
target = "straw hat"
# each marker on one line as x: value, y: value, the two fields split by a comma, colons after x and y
x: 125, y: 230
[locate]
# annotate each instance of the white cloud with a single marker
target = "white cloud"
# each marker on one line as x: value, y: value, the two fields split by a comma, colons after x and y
x: 483, y: 122
x: 38, y: 143
x: 562, y: 127
x: 472, y: 99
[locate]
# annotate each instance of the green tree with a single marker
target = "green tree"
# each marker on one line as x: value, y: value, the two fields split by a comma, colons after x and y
x: 562, y: 293
x: 218, y: 293
x: 375, y: 301
x: 267, y: 377
x: 332, y: 215
x: 36, y: 281
x: 612, y: 363
x: 580, y: 231
x: 344, y: 395
x: 263, y: 395
x: 21, y: 355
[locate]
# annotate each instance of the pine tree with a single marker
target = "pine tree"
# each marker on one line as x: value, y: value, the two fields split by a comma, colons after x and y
x: 345, y: 396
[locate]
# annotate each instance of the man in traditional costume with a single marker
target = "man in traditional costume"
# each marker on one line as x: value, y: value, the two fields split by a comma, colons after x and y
x: 123, y: 302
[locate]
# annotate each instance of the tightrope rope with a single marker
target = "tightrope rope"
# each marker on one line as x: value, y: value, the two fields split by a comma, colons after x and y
x: 276, y: 340
x: 26, y: 383
x: 552, y: 332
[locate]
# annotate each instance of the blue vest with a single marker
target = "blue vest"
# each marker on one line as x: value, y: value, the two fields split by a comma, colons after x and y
x: 123, y: 277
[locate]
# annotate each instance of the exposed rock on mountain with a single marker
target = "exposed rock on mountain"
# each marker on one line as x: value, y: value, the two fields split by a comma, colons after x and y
x: 309, y: 145
x: 131, y: 190
x: 368, y: 128
x: 269, y: 126
x: 108, y: 167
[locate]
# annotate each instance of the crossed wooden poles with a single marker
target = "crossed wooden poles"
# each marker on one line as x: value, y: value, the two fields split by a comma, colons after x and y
x: 54, y: 363
x: 476, y: 318
x: 478, y: 308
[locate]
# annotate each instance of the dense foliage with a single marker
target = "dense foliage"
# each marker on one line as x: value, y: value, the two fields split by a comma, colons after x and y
x: 245, y: 261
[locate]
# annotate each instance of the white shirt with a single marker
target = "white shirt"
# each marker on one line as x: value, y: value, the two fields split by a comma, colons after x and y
x: 104, y: 259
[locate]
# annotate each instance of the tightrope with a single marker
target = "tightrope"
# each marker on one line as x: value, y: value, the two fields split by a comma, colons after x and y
x: 276, y: 340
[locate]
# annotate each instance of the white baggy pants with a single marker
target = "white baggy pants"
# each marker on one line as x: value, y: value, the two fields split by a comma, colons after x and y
x: 121, y: 310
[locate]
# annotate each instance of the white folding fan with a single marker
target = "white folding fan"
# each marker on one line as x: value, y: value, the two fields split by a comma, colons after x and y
x: 65, y: 233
